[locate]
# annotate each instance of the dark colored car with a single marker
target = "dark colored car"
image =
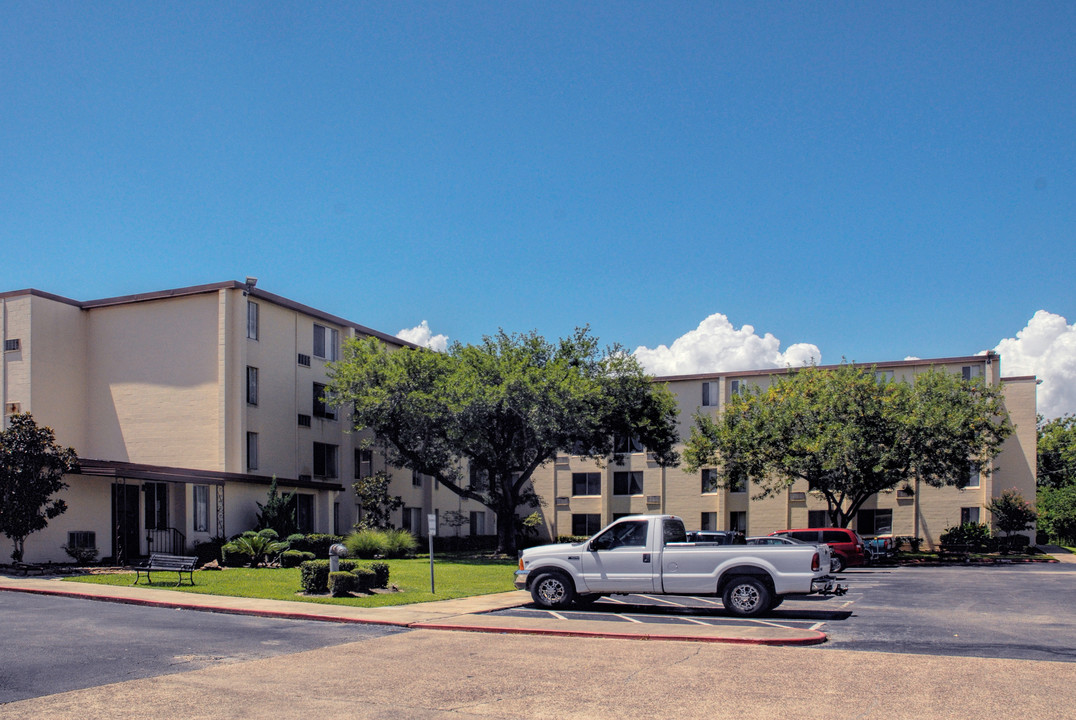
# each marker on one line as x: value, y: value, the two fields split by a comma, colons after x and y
x: 846, y: 545
x: 719, y: 537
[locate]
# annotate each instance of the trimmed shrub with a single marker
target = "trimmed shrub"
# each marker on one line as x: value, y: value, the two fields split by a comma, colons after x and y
x: 81, y: 555
x: 294, y: 558
x: 317, y: 543
x: 466, y: 543
x: 364, y: 579
x: 314, y: 574
x: 975, y: 536
x: 574, y: 539
x: 342, y: 584
x: 381, y: 574
x: 400, y: 544
x: 367, y: 544
x: 209, y: 551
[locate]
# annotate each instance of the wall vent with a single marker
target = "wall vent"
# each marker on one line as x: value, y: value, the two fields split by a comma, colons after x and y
x: 562, y: 501
x: 12, y: 345
x: 304, y: 420
x: 304, y: 360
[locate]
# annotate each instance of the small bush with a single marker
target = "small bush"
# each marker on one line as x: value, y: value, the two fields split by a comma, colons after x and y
x: 367, y: 544
x: 314, y: 574
x: 976, y: 536
x: 400, y: 544
x: 81, y: 555
x: 294, y: 558
x: 364, y: 579
x: 317, y: 543
x: 381, y: 574
x: 341, y: 583
x: 573, y: 539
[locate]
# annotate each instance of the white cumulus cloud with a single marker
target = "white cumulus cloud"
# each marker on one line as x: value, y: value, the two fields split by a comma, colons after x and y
x: 422, y: 335
x: 1045, y: 348
x: 716, y: 346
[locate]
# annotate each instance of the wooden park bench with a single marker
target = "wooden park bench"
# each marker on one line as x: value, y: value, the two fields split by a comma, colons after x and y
x: 162, y: 562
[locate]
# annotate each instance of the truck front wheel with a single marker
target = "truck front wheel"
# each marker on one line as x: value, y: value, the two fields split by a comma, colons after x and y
x: 552, y: 590
x: 746, y: 596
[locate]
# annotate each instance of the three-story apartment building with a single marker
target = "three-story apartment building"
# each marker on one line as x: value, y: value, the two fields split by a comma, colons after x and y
x: 183, y: 405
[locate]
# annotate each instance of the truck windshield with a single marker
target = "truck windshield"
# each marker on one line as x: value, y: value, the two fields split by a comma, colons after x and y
x: 674, y: 531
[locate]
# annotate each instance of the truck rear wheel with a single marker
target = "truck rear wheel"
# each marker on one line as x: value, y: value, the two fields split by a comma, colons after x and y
x: 553, y: 590
x: 746, y: 596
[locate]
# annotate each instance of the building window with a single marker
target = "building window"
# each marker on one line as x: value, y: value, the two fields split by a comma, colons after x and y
x: 324, y: 460
x: 304, y: 513
x: 201, y: 508
x: 478, y: 523
x: 883, y: 376
x: 326, y: 341
x: 586, y: 524
x: 364, y: 462
x: 12, y: 345
x: 737, y: 479
x: 252, y: 385
x: 586, y: 484
x: 738, y: 521
x: 974, y: 470
x: 874, y: 522
x: 416, y: 478
x: 156, y: 505
x: 478, y: 479
x: 969, y: 515
x: 252, y: 451
x: 708, y: 521
x: 817, y: 518
x: 709, y: 481
x: 628, y: 483
x: 412, y: 520
x: 322, y: 409
x: 710, y: 393
x: 252, y: 320
x: 970, y: 372
x: 303, y: 360
x: 85, y: 539
x: 737, y: 387
x: 627, y: 444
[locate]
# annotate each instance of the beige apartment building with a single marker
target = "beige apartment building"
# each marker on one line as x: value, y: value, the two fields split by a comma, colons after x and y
x: 182, y: 406
x: 582, y: 496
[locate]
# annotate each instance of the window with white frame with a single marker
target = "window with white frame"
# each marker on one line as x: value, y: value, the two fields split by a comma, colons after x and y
x: 874, y: 522
x: 969, y: 515
x: 252, y: 451
x: 325, y: 460
x: 252, y: 385
x: 364, y: 462
x: 201, y: 508
x: 627, y: 444
x: 710, y: 393
x: 586, y: 483
x: 970, y: 372
x: 326, y: 342
x: 628, y: 482
x: 974, y: 471
x: 322, y: 408
x: 252, y: 320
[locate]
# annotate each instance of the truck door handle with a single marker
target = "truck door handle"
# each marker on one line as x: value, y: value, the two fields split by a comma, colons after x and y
x: 646, y: 557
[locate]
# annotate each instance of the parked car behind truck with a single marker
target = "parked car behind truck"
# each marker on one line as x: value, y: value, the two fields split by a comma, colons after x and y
x: 650, y: 554
x: 847, y: 546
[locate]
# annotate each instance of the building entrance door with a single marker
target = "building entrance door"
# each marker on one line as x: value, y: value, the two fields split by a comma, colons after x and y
x: 124, y: 523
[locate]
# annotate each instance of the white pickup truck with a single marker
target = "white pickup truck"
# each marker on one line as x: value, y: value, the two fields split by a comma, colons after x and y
x: 649, y: 554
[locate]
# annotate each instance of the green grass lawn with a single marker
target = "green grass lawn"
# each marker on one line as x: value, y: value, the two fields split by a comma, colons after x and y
x: 453, y: 578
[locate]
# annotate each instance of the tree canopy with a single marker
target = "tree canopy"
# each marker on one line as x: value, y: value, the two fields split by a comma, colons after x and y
x: 1057, y: 452
x: 32, y: 467
x: 482, y: 418
x: 850, y: 434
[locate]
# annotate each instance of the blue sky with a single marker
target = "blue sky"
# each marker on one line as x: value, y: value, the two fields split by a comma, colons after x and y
x: 875, y: 180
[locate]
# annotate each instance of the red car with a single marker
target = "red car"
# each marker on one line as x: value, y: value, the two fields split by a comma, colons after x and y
x: 846, y: 545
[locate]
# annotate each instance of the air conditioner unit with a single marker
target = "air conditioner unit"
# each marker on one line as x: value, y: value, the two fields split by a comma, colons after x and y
x: 12, y: 408
x: 12, y: 345
x: 653, y: 499
x: 797, y: 496
x: 562, y: 501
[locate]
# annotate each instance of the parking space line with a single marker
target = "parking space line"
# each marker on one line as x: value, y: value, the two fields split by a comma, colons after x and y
x: 816, y: 626
x: 667, y: 602
x: 614, y: 600
x: 557, y: 615
x: 629, y: 619
x: 706, y: 600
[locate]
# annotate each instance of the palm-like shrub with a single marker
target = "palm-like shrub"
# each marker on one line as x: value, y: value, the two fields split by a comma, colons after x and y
x: 258, y: 546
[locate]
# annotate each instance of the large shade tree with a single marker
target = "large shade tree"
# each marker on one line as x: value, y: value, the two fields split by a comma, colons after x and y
x: 482, y: 418
x: 32, y: 467
x: 852, y: 433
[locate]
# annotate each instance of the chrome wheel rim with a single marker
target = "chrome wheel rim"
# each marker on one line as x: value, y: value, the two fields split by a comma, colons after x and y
x: 745, y: 597
x: 551, y: 591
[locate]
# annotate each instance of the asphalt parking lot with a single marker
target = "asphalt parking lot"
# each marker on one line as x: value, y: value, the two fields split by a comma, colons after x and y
x: 1011, y: 612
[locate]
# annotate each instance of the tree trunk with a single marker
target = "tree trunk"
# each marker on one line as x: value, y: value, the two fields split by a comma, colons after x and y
x: 506, y: 531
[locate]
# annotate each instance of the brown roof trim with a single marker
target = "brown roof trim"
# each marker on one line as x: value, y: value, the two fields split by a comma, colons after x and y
x: 214, y: 287
x: 1019, y: 378
x: 161, y: 473
x: 784, y: 371
x: 40, y: 294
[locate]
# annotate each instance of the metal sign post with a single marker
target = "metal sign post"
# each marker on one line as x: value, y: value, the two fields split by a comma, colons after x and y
x: 431, y: 522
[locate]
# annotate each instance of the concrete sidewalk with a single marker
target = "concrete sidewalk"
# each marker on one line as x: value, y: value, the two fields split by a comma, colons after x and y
x: 462, y: 614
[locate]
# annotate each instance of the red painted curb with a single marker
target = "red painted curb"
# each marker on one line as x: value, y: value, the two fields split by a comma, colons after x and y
x: 818, y: 638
